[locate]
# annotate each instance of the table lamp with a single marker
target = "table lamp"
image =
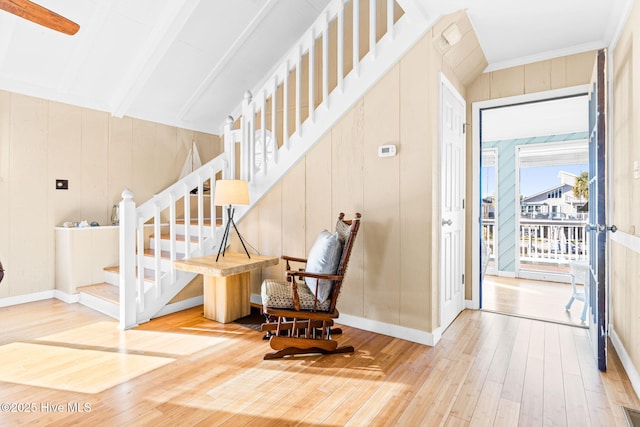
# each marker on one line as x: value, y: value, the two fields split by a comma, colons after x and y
x: 231, y: 192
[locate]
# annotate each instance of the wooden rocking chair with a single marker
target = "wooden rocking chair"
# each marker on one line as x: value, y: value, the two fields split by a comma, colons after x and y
x: 301, y: 312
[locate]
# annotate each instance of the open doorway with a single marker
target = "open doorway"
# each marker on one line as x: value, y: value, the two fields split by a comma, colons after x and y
x: 534, y: 155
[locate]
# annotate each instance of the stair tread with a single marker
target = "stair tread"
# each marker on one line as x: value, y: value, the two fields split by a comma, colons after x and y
x: 179, y: 237
x: 163, y: 254
x: 149, y: 274
x: 206, y: 222
x: 104, y: 291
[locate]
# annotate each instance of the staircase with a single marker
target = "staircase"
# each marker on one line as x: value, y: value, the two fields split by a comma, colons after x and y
x: 350, y: 46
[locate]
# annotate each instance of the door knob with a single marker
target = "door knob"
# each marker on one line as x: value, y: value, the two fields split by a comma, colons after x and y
x: 447, y: 222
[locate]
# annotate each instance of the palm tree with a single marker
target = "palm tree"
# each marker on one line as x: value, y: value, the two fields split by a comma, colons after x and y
x: 581, y: 189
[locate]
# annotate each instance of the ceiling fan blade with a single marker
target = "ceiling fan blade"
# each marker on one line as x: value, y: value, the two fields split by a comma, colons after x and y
x: 40, y: 15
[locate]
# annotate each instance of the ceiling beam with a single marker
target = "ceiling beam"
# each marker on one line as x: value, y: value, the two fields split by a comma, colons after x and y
x: 166, y: 30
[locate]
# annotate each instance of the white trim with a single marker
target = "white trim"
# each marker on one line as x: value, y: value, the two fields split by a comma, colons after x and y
x: 619, y: 28
x: 179, y: 306
x: 65, y: 297
x: 475, y: 167
x: 629, y: 241
x: 626, y: 361
x: 100, y: 305
x: 23, y: 299
x: 511, y: 274
x: 396, y: 331
x: 544, y: 56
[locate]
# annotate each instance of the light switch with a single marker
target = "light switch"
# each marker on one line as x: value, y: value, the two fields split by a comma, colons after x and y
x: 636, y: 169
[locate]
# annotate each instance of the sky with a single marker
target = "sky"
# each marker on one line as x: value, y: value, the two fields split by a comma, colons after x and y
x: 532, y: 180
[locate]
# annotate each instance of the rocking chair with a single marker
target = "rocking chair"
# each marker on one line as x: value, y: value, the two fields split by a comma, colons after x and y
x: 302, y: 309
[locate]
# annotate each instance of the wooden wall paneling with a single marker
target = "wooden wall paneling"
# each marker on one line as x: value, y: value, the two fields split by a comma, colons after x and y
x: 249, y: 227
x: 184, y: 140
x: 29, y: 198
x: 211, y: 146
x: 347, y: 144
x: 537, y: 77
x: 192, y: 290
x: 318, y: 95
x: 619, y: 295
x: 348, y: 38
x: 623, y: 99
x: 415, y: 195
x: 631, y: 299
x: 333, y: 54
x: 558, y: 73
x: 319, y: 211
x: 579, y: 68
x: 381, y: 201
x: 304, y: 88
x: 5, y: 186
x: 507, y: 82
x: 166, y: 149
x: 293, y: 214
x: 65, y: 162
x: 144, y: 160
x: 364, y: 28
x: 96, y: 205
x: 271, y: 229
x: 121, y: 160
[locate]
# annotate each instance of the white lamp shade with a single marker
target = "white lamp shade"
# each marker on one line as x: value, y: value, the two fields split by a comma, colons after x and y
x: 231, y: 192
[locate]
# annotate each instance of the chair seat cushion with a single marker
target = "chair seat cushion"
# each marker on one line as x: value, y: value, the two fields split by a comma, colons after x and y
x: 277, y: 294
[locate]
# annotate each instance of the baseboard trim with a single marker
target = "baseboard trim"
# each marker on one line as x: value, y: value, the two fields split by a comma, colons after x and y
x: 631, y: 370
x: 180, y: 305
x: 65, y: 297
x: 23, y: 299
x: 396, y: 331
x: 471, y: 304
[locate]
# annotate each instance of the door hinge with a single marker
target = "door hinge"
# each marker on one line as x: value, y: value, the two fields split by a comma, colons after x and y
x: 463, y: 278
x: 462, y: 203
x: 464, y: 128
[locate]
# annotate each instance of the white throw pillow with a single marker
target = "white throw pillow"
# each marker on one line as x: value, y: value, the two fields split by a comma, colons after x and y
x: 324, y: 257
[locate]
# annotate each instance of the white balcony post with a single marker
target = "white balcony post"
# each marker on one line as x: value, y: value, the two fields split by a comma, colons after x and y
x: 128, y: 297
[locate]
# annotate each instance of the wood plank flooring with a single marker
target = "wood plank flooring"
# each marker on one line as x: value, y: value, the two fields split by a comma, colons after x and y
x: 488, y: 369
x: 531, y: 298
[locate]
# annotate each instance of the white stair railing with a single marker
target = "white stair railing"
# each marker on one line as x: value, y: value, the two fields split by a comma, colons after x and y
x: 306, y: 94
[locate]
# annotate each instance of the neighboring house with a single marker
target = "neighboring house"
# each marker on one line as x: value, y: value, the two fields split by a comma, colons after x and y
x: 557, y: 202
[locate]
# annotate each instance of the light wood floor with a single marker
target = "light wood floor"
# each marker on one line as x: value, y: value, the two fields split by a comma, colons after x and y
x: 488, y: 369
x: 531, y: 298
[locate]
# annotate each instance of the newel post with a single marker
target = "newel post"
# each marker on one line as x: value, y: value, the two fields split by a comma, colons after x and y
x: 128, y: 303
x: 230, y: 149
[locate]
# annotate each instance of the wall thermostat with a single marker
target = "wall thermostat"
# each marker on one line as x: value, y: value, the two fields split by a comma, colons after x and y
x: 386, y: 151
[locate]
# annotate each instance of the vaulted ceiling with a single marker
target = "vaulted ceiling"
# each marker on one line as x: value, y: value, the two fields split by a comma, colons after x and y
x: 187, y: 63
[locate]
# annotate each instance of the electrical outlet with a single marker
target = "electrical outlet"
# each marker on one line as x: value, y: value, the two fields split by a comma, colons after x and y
x: 62, y: 184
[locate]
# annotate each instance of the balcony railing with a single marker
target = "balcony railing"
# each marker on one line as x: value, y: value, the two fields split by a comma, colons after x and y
x: 555, y: 242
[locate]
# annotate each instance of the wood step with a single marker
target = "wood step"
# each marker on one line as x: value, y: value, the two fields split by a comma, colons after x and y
x: 103, y: 291
x: 206, y: 222
x: 166, y: 255
x: 179, y: 237
x: 149, y: 274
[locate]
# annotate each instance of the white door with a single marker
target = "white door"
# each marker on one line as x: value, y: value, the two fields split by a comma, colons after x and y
x: 452, y: 204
